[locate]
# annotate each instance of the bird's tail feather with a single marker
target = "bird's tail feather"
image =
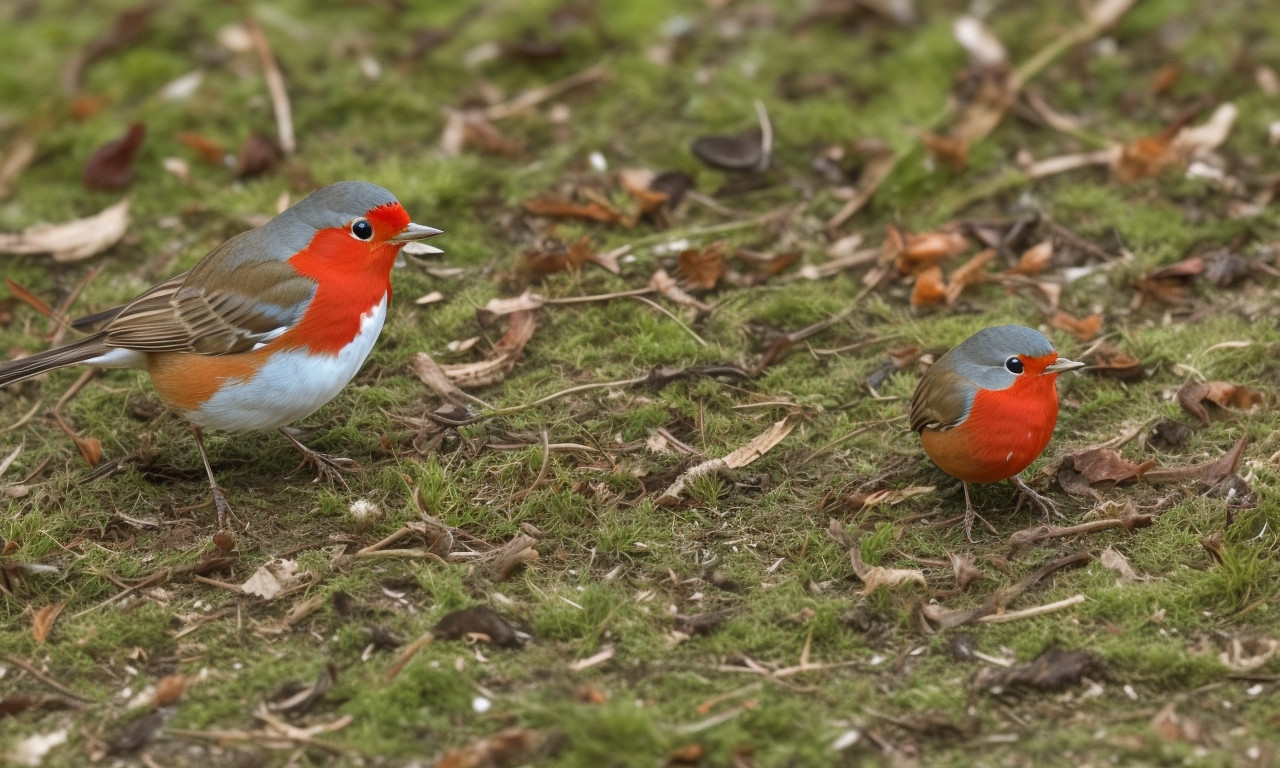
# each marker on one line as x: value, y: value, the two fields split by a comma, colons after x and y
x: 12, y: 371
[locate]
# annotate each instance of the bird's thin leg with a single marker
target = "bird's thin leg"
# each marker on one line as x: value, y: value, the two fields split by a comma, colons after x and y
x: 220, y: 502
x: 327, y: 467
x: 970, y: 513
x: 1046, y: 505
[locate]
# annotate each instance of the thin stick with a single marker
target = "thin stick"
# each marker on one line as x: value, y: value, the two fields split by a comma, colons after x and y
x: 275, y: 84
x: 49, y: 681
x: 1026, y: 613
x: 536, y: 96
x: 766, y: 137
x: 557, y: 395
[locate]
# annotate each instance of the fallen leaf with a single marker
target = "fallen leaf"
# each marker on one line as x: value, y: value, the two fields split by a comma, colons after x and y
x: 928, y: 287
x: 1193, y: 395
x: 1084, y: 471
x: 1083, y: 329
x: 1034, y: 260
x: 951, y: 152
x: 257, y: 155
x: 110, y: 167
x: 1050, y: 671
x: 274, y: 579
x: 169, y: 690
x: 430, y: 373
x: 1143, y: 158
x: 559, y: 207
x: 478, y: 622
x: 1209, y: 472
x: 965, y: 571
x: 209, y: 150
x: 42, y: 620
x: 1109, y: 361
x: 504, y: 749
x: 505, y: 354
x: 967, y: 274
x: 665, y: 285
x: 926, y: 248
x: 741, y: 457
x: 556, y: 257
x: 702, y: 268
x: 735, y: 153
x: 296, y: 699
x: 1112, y: 559
x: 690, y: 754
x: 525, y: 302
x: 74, y: 240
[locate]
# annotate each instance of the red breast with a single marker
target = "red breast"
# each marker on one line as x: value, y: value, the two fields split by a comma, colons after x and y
x: 987, y: 408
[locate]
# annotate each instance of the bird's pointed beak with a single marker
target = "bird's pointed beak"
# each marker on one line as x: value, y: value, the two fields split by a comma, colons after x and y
x: 1063, y: 364
x: 415, y: 232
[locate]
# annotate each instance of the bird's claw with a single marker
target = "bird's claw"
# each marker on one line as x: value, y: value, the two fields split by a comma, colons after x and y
x: 1045, y: 504
x: 328, y: 468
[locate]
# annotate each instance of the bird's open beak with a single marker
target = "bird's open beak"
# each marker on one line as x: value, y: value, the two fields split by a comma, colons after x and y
x: 1063, y: 364
x: 415, y: 232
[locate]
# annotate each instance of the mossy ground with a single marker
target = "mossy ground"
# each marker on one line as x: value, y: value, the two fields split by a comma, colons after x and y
x: 753, y: 543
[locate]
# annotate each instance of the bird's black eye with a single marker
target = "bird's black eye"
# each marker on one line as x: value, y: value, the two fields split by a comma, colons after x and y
x: 1014, y: 365
x: 361, y: 230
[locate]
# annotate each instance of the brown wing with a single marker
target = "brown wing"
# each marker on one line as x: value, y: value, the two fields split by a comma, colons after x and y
x: 941, y: 401
x: 215, y: 309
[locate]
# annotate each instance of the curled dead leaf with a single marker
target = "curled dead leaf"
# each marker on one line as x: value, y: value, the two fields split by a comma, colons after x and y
x: 967, y: 274
x: 110, y: 167
x: 928, y: 287
x: 702, y: 268
x: 1082, y: 328
x: 505, y: 354
x: 1098, y: 467
x: 1193, y: 396
x: 1034, y: 260
x: 74, y: 240
x: 42, y: 620
x: 560, y: 207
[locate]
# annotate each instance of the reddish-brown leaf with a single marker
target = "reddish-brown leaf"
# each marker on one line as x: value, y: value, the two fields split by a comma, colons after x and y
x: 1083, y: 328
x: 209, y: 150
x: 953, y: 153
x: 1144, y: 158
x: 1193, y: 396
x: 702, y: 268
x: 85, y: 106
x: 1109, y: 361
x: 928, y: 288
x: 967, y: 274
x: 257, y: 155
x: 558, y: 207
x: 169, y: 690
x: 110, y: 166
x: 42, y: 620
x: 1034, y: 260
x: 928, y: 248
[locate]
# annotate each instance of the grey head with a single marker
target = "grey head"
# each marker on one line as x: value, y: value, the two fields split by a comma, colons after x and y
x: 336, y: 205
x: 983, y: 357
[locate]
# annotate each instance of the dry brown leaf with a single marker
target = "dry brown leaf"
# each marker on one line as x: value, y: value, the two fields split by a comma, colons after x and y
x: 1034, y: 260
x: 1098, y: 467
x: 878, y: 576
x: 1109, y: 361
x: 42, y: 620
x: 953, y: 153
x: 504, y: 749
x: 1052, y: 670
x: 257, y: 155
x: 274, y: 579
x: 1209, y: 472
x: 1082, y: 328
x: 1193, y: 395
x: 169, y: 690
x: 90, y: 449
x: 891, y: 496
x: 431, y: 374
x: 928, y: 287
x: 1143, y: 158
x: 505, y: 354
x: 969, y: 273
x: 1112, y: 559
x: 741, y: 457
x: 558, y: 207
x: 928, y: 248
x: 525, y: 302
x: 209, y: 150
x: 665, y: 285
x: 110, y: 167
x: 74, y: 240
x: 702, y: 268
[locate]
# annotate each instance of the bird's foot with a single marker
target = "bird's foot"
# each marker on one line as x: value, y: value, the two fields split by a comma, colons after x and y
x: 221, y: 505
x: 969, y: 514
x: 328, y: 468
x: 1045, y: 504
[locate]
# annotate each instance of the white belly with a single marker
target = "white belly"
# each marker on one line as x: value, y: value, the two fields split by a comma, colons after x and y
x: 291, y: 386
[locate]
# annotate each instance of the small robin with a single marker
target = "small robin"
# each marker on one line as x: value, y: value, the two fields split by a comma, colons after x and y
x: 986, y: 409
x: 263, y: 330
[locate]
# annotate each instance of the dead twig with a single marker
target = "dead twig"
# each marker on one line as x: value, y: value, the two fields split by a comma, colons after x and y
x: 30, y: 669
x: 275, y: 84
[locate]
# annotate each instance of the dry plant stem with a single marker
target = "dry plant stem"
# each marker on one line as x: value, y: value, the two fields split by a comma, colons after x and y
x: 275, y: 84
x: 1026, y: 613
x: 18, y: 661
x: 536, y: 96
x: 28, y: 416
x: 1035, y: 536
x: 405, y: 657
x: 599, y: 297
x: 60, y: 311
x: 847, y: 436
x: 766, y: 137
x: 715, y: 229
x: 557, y: 395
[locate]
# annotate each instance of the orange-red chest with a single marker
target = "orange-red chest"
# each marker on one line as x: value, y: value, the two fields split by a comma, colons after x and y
x: 1005, y: 431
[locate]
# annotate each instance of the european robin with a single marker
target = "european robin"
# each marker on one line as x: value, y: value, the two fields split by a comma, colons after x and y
x: 986, y: 409
x: 266, y: 328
